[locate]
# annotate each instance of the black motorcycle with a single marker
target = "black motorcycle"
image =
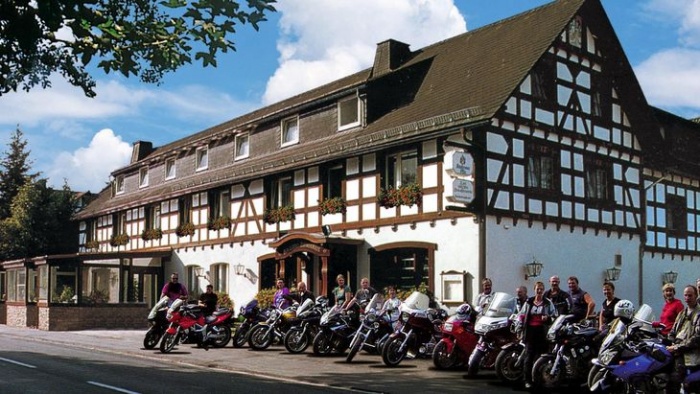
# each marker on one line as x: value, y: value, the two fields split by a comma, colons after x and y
x: 575, y: 345
x: 335, y: 331
x: 375, y: 329
x: 158, y: 323
x: 251, y: 315
x: 302, y: 334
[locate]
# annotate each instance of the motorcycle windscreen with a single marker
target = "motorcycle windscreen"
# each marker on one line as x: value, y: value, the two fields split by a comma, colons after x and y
x: 416, y: 301
x: 306, y: 306
x: 502, y: 305
x: 375, y: 303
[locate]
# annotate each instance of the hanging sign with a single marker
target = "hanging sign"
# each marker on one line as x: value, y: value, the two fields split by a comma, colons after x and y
x: 459, y: 164
x: 462, y: 191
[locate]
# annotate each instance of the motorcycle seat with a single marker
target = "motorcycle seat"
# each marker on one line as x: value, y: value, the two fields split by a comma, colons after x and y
x: 220, y: 311
x: 587, y: 332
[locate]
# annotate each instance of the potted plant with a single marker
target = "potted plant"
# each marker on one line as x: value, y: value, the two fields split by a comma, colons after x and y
x: 151, y: 233
x: 119, y: 239
x: 185, y: 229
x: 409, y: 194
x: 277, y: 215
x: 332, y: 205
x: 219, y: 223
x: 93, y: 244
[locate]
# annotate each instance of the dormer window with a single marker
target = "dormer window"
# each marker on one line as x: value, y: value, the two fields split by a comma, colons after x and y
x: 242, y: 147
x: 143, y: 177
x: 348, y: 113
x: 290, y: 131
x: 119, y: 184
x: 170, y: 172
x: 202, y: 159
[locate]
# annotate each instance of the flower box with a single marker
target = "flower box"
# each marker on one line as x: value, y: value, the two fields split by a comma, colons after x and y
x: 277, y: 215
x: 92, y: 245
x: 223, y: 222
x: 151, y: 233
x: 185, y: 229
x: 409, y: 195
x: 119, y: 240
x: 333, y: 205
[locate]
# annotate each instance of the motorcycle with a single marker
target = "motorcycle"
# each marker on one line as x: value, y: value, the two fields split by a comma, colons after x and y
x: 494, y: 330
x: 301, y: 335
x: 376, y: 326
x: 336, y: 329
x: 569, y: 362
x: 458, y: 339
x: 263, y: 334
x: 419, y: 332
x: 158, y: 323
x: 188, y: 324
x: 636, y: 346
x: 251, y: 315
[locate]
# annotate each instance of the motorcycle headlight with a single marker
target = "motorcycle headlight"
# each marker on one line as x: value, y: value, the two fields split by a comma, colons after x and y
x: 375, y: 325
x: 404, y: 317
x: 447, y: 327
x: 371, y: 318
x: 606, y: 358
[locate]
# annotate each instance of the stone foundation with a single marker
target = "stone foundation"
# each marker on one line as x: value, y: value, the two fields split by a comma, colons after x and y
x: 70, y: 317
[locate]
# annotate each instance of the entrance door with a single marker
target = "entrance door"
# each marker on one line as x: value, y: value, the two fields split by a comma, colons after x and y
x: 143, y: 284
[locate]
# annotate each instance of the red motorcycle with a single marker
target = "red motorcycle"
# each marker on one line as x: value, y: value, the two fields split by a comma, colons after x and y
x: 188, y: 324
x: 458, y: 341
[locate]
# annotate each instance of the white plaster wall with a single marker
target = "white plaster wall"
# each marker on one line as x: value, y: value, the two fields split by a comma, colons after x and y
x: 654, y: 267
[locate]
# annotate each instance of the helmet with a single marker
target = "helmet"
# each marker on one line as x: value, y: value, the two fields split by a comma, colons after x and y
x: 624, y: 309
x: 464, y: 309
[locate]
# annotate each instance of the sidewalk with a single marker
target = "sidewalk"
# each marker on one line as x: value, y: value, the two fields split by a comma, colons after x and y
x: 366, y: 372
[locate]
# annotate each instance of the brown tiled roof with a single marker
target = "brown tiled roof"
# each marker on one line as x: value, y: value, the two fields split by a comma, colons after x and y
x: 468, y: 79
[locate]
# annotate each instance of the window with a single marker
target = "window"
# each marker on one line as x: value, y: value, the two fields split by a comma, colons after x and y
x: 220, y: 204
x: 185, y: 209
x: 119, y: 184
x: 100, y: 285
x: 290, y: 131
x: 348, y: 113
x: 676, y: 215
x: 333, y: 185
x: 543, y: 78
x: 193, y: 276
x: 575, y: 32
x: 541, y: 168
x: 218, y: 275
x: 401, y: 169
x: 3, y: 289
x: 153, y: 217
x: 597, y: 180
x: 170, y: 169
x: 119, y: 223
x: 143, y: 177
x: 64, y: 282
x: 242, y: 147
x: 202, y: 159
x: 281, y: 192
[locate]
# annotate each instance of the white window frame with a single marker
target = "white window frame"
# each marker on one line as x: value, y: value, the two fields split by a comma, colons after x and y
x: 202, y: 158
x: 242, y: 141
x: 143, y: 177
x: 170, y: 169
x: 284, y: 134
x: 119, y: 187
x: 341, y: 104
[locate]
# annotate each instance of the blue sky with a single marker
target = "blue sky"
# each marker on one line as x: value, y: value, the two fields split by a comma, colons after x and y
x: 305, y: 44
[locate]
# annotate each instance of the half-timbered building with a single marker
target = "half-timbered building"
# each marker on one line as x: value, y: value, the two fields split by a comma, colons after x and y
x: 520, y: 149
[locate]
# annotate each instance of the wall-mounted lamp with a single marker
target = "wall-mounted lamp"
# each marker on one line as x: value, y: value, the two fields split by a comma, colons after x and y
x: 533, y: 269
x: 670, y: 277
x: 240, y: 269
x: 612, y: 274
x: 200, y: 273
x: 326, y: 230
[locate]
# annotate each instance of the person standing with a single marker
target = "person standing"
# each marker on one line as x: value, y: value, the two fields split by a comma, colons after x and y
x: 363, y: 294
x: 672, y: 307
x: 484, y: 298
x: 302, y: 294
x: 561, y: 299
x: 280, y: 298
x: 607, y: 309
x: 536, y: 315
x: 341, y: 293
x: 582, y: 305
x: 685, y: 339
x: 174, y: 289
x: 520, y: 296
x: 208, y: 300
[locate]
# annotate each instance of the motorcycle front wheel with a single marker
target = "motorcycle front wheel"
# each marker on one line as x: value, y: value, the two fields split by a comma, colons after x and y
x: 506, y: 370
x: 442, y: 358
x: 152, y: 338
x: 322, y: 344
x: 541, y: 373
x: 168, y: 343
x: 240, y: 337
x: 355, y: 346
x: 224, y: 336
x: 475, y: 362
x: 392, y: 353
x: 595, y: 374
x: 296, y: 341
x: 260, y: 337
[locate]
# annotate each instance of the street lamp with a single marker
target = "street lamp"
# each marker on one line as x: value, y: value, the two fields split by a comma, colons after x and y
x: 533, y: 269
x: 612, y: 274
x: 670, y: 277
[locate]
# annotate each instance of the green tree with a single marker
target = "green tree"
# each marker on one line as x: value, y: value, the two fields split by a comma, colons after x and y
x: 144, y: 38
x: 14, y: 171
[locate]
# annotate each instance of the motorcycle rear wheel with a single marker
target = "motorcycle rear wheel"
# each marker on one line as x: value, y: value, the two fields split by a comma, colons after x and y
x: 391, y: 354
x: 241, y: 336
x: 168, y: 343
x: 322, y: 344
x: 225, y: 332
x: 541, y: 376
x: 505, y: 367
x: 260, y: 337
x: 442, y: 359
x: 152, y: 338
x: 296, y: 341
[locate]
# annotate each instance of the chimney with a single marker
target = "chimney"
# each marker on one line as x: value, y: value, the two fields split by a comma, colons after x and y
x: 390, y: 55
x: 140, y: 150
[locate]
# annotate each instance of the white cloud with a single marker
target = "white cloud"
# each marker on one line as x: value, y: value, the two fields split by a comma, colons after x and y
x: 323, y: 41
x: 686, y: 13
x: 671, y: 78
x: 88, y: 168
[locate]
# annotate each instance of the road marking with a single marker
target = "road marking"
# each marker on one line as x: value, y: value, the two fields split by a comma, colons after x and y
x: 16, y: 362
x: 119, y: 389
